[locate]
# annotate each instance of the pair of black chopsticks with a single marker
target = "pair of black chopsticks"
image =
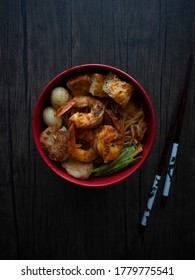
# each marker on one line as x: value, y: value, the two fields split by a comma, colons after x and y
x: 172, y: 137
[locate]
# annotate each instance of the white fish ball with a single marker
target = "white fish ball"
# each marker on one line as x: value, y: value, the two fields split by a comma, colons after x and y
x: 59, y: 96
x: 49, y: 117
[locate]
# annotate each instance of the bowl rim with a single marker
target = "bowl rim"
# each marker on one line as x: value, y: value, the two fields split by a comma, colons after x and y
x: 100, y: 181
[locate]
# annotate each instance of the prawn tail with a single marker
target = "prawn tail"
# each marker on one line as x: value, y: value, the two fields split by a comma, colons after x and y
x: 71, y: 140
x: 63, y: 109
x: 115, y: 122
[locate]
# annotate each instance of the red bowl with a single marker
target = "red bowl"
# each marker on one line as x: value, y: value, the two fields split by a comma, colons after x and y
x: 60, y: 80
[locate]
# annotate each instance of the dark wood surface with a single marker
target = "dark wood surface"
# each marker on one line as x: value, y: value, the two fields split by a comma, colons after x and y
x: 45, y: 217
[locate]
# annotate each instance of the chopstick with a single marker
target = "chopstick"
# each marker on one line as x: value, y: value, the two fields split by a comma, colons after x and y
x: 173, y: 136
x: 175, y: 145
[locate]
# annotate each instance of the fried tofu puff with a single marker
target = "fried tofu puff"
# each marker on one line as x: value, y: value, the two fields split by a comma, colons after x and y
x: 119, y: 90
x: 97, y: 83
x: 79, y: 85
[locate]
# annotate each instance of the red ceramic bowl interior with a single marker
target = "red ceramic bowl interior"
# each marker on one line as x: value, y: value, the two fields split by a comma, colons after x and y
x: 60, y: 80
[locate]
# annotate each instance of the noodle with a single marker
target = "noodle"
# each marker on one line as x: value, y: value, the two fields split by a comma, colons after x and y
x: 133, y: 121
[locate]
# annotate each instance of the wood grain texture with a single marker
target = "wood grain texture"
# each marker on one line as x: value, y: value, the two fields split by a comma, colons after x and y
x: 44, y: 217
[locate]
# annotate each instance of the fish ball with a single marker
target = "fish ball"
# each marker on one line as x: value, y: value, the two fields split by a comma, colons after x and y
x: 59, y: 96
x: 50, y: 119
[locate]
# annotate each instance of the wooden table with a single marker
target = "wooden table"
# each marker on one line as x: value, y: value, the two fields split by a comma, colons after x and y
x: 45, y: 217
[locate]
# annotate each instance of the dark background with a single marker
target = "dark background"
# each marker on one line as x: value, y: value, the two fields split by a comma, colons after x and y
x: 44, y: 217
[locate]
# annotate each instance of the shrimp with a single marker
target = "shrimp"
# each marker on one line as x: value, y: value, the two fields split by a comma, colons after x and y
x: 83, y: 154
x: 81, y: 119
x: 110, y: 140
x: 109, y: 143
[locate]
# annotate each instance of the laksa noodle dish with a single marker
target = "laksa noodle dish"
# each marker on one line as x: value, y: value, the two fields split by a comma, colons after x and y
x: 93, y: 125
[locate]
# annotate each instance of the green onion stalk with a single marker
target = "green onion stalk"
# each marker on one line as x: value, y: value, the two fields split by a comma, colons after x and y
x: 128, y: 156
